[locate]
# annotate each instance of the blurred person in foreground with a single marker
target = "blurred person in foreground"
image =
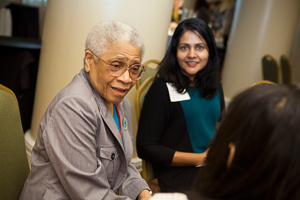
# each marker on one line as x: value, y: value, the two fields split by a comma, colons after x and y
x: 182, y: 107
x: 84, y: 142
x: 255, y: 154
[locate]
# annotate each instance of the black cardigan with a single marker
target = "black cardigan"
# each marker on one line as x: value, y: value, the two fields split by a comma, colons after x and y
x: 160, y: 133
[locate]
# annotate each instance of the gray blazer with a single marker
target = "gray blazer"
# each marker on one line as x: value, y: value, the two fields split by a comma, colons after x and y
x: 79, y: 153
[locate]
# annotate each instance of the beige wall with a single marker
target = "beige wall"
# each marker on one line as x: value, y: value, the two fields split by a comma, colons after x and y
x: 259, y: 28
x: 295, y: 56
x: 66, y: 26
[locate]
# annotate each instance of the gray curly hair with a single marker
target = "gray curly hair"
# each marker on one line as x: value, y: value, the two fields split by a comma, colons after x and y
x: 109, y: 32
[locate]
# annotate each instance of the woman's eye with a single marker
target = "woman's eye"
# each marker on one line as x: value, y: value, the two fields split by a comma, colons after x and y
x: 183, y: 48
x: 135, y: 69
x: 200, y: 47
x: 116, y: 65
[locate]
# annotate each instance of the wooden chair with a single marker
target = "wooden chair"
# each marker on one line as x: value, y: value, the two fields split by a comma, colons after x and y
x: 151, y: 68
x: 2, y: 87
x: 147, y: 171
x: 14, y: 165
x: 270, y: 69
x: 286, y: 70
x: 261, y: 82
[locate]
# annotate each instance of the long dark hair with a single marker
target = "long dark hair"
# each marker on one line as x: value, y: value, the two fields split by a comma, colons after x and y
x: 263, y: 124
x: 207, y: 80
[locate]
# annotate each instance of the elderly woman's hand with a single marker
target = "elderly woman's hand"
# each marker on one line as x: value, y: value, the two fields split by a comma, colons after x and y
x: 145, y: 195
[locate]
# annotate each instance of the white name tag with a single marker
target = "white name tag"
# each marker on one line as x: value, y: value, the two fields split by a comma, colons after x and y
x: 176, y: 96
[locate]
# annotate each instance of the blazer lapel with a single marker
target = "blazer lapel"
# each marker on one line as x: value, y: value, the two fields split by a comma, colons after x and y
x: 126, y: 130
x: 103, y: 109
x: 110, y: 122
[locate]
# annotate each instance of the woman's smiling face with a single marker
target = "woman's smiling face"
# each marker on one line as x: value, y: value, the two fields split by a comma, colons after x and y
x: 192, y: 54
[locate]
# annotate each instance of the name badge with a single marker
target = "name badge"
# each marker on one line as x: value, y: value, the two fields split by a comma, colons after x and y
x: 176, y: 96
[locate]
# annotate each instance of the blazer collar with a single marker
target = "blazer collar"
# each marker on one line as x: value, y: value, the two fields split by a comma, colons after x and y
x: 103, y: 109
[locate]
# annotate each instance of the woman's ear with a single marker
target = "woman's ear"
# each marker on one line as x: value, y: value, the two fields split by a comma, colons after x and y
x: 231, y: 147
x: 88, y: 60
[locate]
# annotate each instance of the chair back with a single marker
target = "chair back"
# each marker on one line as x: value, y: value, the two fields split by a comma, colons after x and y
x: 270, y: 69
x: 151, y: 69
x: 2, y: 87
x: 261, y: 82
x: 147, y: 171
x: 140, y: 95
x: 286, y: 70
x: 14, y: 165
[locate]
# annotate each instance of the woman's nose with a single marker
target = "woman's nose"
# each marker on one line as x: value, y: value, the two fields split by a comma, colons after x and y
x: 192, y: 53
x: 125, y: 77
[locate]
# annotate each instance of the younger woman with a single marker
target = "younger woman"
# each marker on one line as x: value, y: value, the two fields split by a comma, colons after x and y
x: 182, y: 107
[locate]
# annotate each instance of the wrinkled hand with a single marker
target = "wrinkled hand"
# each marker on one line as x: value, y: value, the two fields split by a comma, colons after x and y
x: 145, y: 195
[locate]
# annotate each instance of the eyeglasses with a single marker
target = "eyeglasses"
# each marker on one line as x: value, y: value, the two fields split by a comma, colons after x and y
x: 118, y: 67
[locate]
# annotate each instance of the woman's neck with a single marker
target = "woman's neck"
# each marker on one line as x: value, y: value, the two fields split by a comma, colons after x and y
x: 110, y: 107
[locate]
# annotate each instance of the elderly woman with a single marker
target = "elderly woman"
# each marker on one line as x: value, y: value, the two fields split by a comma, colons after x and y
x: 84, y: 142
